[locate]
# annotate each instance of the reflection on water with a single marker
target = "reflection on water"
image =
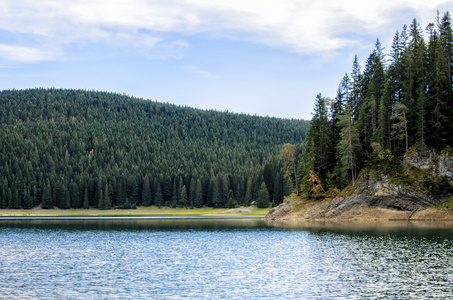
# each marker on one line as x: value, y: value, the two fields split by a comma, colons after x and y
x: 162, y: 224
x: 222, y: 259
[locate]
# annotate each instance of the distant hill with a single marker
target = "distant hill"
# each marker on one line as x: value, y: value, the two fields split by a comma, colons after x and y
x: 74, y: 148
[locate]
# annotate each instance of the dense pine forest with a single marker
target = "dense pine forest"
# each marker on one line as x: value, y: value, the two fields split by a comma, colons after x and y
x: 400, y: 101
x: 74, y: 149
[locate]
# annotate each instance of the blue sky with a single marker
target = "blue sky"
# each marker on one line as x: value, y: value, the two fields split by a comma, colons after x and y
x: 263, y: 57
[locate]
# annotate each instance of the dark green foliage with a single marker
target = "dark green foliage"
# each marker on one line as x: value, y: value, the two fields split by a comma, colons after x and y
x: 278, y: 189
x: 319, y: 156
x: 288, y: 186
x: 378, y: 115
x: 61, y: 148
x: 184, y: 198
x: 104, y: 199
x: 47, y: 197
x: 198, y: 199
x: 438, y: 186
x: 146, y: 192
x: 74, y: 195
x: 230, y: 203
x: 159, y: 198
x: 262, y: 200
x: 86, y: 204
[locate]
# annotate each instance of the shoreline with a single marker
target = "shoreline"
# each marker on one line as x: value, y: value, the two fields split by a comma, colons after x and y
x: 300, y: 211
x: 153, y: 217
x: 140, y: 212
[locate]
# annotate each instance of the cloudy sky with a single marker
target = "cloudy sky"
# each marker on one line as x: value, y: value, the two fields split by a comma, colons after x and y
x: 263, y: 57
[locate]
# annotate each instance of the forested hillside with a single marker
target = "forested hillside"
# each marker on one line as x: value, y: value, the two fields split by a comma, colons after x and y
x: 73, y: 148
x: 399, y: 101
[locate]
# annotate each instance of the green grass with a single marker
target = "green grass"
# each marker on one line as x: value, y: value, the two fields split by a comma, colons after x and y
x: 140, y: 211
x: 448, y: 205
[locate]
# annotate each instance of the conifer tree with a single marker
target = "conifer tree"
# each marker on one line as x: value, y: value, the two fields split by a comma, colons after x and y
x: 262, y: 200
x: 74, y: 194
x: 348, y: 147
x: 176, y: 198
x: 86, y: 202
x: 146, y: 192
x: 288, y: 186
x: 47, y: 197
x: 399, y: 128
x: 64, y: 201
x: 198, y: 200
x: 107, y: 201
x: 318, y: 142
x: 192, y: 189
x: 101, y: 204
x: 289, y: 163
x: 159, y: 198
x: 278, y: 189
x: 248, y: 192
x: 216, y: 197
x: 355, y: 95
x: 184, y: 196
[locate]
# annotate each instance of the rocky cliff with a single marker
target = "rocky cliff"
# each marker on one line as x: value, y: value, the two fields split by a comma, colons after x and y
x: 427, y: 181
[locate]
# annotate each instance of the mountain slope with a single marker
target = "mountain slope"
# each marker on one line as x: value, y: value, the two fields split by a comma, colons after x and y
x: 73, y: 148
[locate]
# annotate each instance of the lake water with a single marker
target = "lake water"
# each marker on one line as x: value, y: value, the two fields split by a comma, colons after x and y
x: 222, y: 259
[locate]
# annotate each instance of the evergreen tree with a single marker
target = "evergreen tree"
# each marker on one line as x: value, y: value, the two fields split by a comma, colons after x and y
x: 64, y: 201
x: 98, y: 195
x: 193, y: 188
x: 230, y: 203
x: 437, y: 131
x: 184, y: 197
x: 176, y: 197
x: 146, y: 192
x: 278, y: 189
x: 132, y: 189
x: 216, y: 197
x: 223, y: 189
x: 348, y: 147
x: 288, y: 186
x: 120, y: 194
x: 74, y: 194
x: 27, y: 201
x: 248, y: 192
x: 198, y: 200
x: 104, y: 198
x: 262, y: 200
x: 47, y: 197
x: 399, y: 128
x: 3, y: 193
x: 17, y: 203
x: 289, y: 163
x: 355, y: 95
x: 318, y: 142
x: 414, y: 85
x: 159, y: 198
x: 101, y: 204
x: 86, y: 202
x: 180, y: 185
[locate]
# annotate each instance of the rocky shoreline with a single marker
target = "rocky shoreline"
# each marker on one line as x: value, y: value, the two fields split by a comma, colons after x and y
x: 295, y: 210
x: 376, y: 197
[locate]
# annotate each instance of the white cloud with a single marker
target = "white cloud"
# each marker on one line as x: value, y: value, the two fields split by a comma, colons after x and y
x: 25, y: 54
x: 303, y: 26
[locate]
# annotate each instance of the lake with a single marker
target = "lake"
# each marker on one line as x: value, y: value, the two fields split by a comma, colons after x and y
x: 222, y: 259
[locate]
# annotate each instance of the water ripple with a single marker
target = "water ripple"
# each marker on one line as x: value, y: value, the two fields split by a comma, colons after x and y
x: 253, y: 263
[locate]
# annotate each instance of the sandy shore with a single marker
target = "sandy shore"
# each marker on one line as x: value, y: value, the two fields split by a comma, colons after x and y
x: 140, y: 211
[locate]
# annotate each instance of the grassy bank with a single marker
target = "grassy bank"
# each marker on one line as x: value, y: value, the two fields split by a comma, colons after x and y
x: 140, y: 211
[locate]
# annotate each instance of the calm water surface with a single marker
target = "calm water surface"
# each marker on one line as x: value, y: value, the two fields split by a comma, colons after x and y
x: 221, y: 259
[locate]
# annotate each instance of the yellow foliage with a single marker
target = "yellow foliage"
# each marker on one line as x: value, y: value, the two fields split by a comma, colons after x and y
x: 316, y: 182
